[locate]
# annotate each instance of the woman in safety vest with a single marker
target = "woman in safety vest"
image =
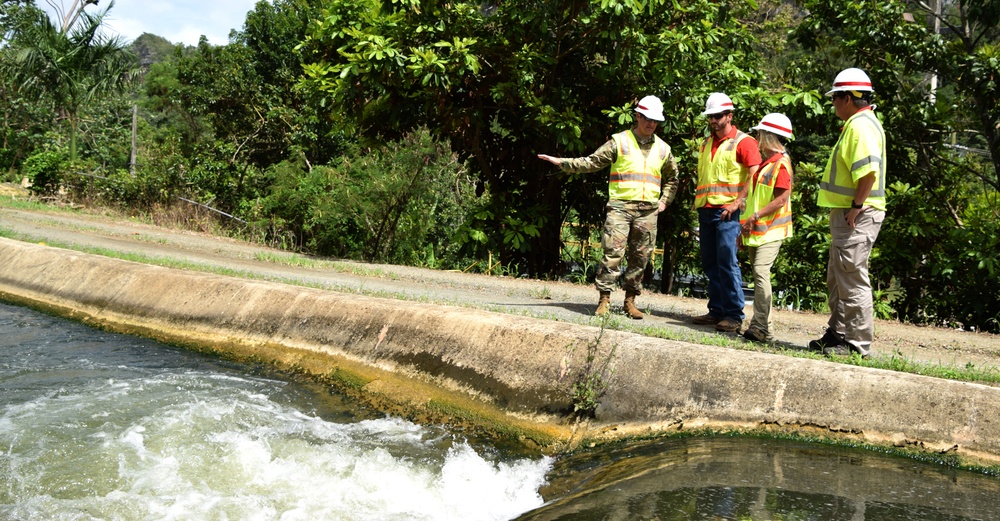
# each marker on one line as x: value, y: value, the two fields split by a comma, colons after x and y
x: 767, y: 219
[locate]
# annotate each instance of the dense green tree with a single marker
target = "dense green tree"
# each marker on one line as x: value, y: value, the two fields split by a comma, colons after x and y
x: 235, y: 108
x: 13, y: 14
x: 23, y: 121
x: 72, y: 65
x: 507, y: 80
x: 937, y: 93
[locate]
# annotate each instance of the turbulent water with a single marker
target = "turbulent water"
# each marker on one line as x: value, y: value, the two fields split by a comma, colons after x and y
x: 96, y: 425
x: 99, y: 426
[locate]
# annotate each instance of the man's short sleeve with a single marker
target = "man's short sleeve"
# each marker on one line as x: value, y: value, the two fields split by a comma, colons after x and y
x: 748, y: 153
x: 864, y: 149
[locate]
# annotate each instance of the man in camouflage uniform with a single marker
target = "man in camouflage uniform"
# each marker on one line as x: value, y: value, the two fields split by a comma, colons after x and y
x: 643, y: 181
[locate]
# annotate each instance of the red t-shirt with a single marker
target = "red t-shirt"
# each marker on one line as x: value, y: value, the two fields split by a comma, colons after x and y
x: 784, y: 179
x: 747, y: 153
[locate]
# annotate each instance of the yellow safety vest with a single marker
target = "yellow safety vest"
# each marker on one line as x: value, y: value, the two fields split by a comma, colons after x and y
x: 775, y: 226
x: 860, y: 148
x: 719, y: 179
x: 634, y: 176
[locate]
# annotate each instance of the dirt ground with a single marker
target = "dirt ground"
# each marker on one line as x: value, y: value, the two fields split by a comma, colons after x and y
x: 547, y: 300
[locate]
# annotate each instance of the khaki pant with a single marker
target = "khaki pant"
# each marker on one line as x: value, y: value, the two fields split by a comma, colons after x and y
x: 761, y: 259
x: 850, y: 299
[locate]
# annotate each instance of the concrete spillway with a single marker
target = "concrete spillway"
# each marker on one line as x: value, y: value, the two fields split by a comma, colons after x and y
x: 508, y: 375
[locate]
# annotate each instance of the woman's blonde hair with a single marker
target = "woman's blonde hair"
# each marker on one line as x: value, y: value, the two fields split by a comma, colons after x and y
x: 770, y: 143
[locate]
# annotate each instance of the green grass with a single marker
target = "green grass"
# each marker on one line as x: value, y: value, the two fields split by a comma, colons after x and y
x: 289, y: 259
x: 32, y: 205
x: 304, y: 261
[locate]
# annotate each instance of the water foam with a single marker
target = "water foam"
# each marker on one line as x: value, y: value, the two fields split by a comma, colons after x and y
x: 196, y: 446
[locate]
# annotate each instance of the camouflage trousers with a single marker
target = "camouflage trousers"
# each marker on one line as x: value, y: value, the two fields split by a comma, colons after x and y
x: 630, y: 234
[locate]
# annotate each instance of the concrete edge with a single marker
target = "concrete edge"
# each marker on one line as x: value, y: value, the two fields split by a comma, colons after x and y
x: 506, y: 375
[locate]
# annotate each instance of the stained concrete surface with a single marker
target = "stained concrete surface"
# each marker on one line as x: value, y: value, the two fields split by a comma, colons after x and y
x: 497, y: 351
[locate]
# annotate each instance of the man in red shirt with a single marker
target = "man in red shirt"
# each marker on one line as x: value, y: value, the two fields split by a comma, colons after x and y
x: 726, y: 162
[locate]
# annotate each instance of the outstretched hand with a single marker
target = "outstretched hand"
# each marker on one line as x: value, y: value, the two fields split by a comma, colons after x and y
x: 554, y: 160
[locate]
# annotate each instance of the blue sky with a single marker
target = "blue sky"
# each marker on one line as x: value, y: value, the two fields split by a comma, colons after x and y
x: 179, y: 21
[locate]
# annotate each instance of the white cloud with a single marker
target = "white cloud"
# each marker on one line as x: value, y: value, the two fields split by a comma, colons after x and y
x: 179, y: 21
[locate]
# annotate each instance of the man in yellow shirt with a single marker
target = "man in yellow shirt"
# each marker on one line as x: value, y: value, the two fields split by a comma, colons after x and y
x: 853, y: 188
x: 642, y: 183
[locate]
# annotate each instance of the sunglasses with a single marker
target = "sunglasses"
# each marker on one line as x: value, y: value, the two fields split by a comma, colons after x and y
x: 642, y: 117
x: 714, y: 117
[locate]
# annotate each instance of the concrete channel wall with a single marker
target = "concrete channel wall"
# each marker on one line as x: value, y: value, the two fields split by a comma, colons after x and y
x: 508, y: 375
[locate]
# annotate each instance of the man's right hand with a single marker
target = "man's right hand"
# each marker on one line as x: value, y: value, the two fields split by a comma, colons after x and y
x: 554, y: 160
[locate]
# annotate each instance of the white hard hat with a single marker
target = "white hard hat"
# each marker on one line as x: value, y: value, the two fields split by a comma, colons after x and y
x: 776, y: 124
x: 851, y: 80
x: 651, y: 107
x: 717, y: 103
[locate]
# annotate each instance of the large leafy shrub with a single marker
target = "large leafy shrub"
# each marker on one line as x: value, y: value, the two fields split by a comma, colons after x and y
x: 399, y: 203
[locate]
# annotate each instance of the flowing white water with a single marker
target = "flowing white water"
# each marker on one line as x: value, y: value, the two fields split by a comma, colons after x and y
x: 99, y: 426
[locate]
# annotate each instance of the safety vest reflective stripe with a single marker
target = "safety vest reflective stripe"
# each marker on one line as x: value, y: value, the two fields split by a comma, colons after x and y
x: 775, y: 226
x: 635, y: 177
x: 717, y: 189
x: 622, y: 177
x: 842, y: 183
x: 719, y: 177
x: 763, y: 225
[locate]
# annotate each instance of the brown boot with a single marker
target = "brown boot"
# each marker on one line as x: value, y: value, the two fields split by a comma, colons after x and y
x: 604, y: 305
x: 630, y: 309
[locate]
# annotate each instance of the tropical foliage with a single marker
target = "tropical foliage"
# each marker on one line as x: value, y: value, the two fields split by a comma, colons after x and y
x: 407, y: 131
x: 70, y: 66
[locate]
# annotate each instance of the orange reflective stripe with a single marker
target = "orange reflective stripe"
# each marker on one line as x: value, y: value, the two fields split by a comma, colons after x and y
x: 719, y: 189
x: 635, y: 176
x: 719, y: 177
x: 781, y: 224
x: 775, y: 226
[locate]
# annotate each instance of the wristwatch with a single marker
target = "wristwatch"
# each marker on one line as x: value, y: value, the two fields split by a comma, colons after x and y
x: 857, y: 205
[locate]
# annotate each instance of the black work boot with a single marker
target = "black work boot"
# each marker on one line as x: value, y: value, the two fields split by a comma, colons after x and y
x: 830, y: 339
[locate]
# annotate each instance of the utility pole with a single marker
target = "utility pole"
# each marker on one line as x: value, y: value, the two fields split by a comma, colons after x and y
x: 937, y: 30
x: 135, y: 119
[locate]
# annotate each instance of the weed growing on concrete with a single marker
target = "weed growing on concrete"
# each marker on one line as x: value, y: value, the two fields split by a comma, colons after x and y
x: 594, y: 377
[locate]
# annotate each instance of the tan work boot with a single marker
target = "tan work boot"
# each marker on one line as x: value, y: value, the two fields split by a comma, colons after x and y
x: 604, y: 305
x: 630, y: 309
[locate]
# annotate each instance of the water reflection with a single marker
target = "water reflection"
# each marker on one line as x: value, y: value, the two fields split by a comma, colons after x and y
x: 751, y: 479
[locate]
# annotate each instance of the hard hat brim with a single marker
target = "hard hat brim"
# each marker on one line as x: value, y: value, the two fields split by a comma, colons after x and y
x: 655, y: 116
x: 776, y: 132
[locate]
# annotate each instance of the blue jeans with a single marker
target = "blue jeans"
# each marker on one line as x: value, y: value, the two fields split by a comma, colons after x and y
x: 718, y: 258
